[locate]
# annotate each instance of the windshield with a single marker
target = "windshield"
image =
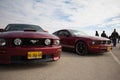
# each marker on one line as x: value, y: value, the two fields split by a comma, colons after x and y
x: 76, y: 33
x: 22, y: 27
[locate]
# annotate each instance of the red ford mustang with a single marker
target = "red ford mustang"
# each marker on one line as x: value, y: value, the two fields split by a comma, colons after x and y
x: 27, y: 43
x: 82, y: 43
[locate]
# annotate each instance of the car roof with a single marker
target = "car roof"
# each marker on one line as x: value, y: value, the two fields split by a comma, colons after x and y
x: 66, y: 30
x: 19, y: 24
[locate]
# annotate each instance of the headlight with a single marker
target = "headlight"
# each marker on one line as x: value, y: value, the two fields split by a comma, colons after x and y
x: 17, y: 41
x: 47, y: 42
x: 93, y: 42
x: 2, y: 42
x: 57, y: 42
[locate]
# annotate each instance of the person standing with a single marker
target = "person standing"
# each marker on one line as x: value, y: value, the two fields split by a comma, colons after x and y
x: 114, y: 37
x: 96, y: 34
x: 104, y: 35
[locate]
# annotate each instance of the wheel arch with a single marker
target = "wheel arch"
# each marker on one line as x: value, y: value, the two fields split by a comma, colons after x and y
x: 81, y: 41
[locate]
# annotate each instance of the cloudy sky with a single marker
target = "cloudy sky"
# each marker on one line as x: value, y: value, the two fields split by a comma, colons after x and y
x: 52, y: 15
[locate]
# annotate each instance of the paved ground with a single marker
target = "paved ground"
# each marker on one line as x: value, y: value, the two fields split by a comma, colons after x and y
x: 70, y: 67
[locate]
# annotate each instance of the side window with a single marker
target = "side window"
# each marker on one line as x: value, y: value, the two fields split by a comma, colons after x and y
x: 63, y: 33
x: 60, y: 33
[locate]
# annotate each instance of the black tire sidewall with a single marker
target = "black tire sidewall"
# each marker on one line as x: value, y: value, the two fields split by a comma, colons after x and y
x: 86, y: 49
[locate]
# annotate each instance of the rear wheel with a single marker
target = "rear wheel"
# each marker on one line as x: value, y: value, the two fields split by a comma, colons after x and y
x: 81, y: 48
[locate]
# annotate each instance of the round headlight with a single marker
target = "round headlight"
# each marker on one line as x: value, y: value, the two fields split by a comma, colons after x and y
x: 57, y: 42
x: 93, y: 42
x: 47, y: 42
x: 2, y: 42
x: 17, y: 41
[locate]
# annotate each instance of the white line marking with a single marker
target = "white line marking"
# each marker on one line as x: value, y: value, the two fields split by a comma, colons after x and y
x: 116, y: 59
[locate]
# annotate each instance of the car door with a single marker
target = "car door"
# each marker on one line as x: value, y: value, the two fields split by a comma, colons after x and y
x: 66, y: 38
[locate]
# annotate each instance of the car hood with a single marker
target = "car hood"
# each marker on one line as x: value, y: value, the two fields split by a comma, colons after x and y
x: 93, y: 37
x: 27, y: 34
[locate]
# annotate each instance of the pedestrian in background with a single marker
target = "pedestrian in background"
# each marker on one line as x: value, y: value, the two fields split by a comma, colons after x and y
x: 114, y: 37
x: 96, y: 34
x: 104, y: 35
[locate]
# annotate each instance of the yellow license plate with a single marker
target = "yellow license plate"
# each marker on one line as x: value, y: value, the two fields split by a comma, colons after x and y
x: 34, y: 55
x: 108, y: 48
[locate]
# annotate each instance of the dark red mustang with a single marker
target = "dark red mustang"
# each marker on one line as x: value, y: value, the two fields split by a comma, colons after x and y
x: 82, y: 43
x: 27, y: 43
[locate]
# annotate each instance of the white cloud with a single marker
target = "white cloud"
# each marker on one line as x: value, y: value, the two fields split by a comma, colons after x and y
x: 57, y: 14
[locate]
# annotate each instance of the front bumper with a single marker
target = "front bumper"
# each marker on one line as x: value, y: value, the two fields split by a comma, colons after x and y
x: 19, y: 54
x: 100, y: 48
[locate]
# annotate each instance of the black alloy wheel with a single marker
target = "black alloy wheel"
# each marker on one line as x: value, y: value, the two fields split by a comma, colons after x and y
x: 81, y: 48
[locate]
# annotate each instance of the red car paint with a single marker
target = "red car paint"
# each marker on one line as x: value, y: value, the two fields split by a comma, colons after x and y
x: 33, y: 41
x: 70, y: 40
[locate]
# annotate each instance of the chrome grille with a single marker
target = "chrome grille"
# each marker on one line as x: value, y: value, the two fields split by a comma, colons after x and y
x: 32, y: 42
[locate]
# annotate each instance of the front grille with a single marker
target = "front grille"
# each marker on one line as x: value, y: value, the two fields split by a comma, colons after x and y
x: 32, y: 42
x: 109, y: 42
x: 106, y: 42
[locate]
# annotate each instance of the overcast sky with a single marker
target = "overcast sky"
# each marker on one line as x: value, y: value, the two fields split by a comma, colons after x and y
x: 52, y: 15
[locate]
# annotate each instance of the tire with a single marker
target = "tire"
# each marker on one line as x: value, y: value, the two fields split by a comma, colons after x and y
x: 81, y: 48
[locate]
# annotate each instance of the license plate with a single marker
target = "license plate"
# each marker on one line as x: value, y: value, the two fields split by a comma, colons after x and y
x: 108, y: 48
x: 34, y: 55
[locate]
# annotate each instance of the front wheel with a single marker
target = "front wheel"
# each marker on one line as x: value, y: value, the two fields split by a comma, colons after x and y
x: 81, y: 48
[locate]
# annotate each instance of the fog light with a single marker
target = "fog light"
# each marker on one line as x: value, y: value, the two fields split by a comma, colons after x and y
x: 47, y: 42
x: 17, y: 41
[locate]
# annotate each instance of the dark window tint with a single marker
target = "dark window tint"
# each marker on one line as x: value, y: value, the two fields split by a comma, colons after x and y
x: 63, y: 33
x: 22, y: 27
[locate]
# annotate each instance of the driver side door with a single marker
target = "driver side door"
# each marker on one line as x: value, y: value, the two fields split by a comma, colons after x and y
x: 66, y: 38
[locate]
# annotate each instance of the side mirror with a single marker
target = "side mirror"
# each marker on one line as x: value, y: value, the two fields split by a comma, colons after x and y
x: 1, y: 30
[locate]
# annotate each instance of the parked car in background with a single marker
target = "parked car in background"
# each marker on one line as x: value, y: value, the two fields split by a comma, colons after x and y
x: 83, y: 43
x: 28, y: 43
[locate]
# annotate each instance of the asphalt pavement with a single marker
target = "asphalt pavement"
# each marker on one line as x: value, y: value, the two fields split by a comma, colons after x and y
x: 99, y: 66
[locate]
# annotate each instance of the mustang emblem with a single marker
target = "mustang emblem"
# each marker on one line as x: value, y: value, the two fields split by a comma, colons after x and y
x: 34, y: 41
